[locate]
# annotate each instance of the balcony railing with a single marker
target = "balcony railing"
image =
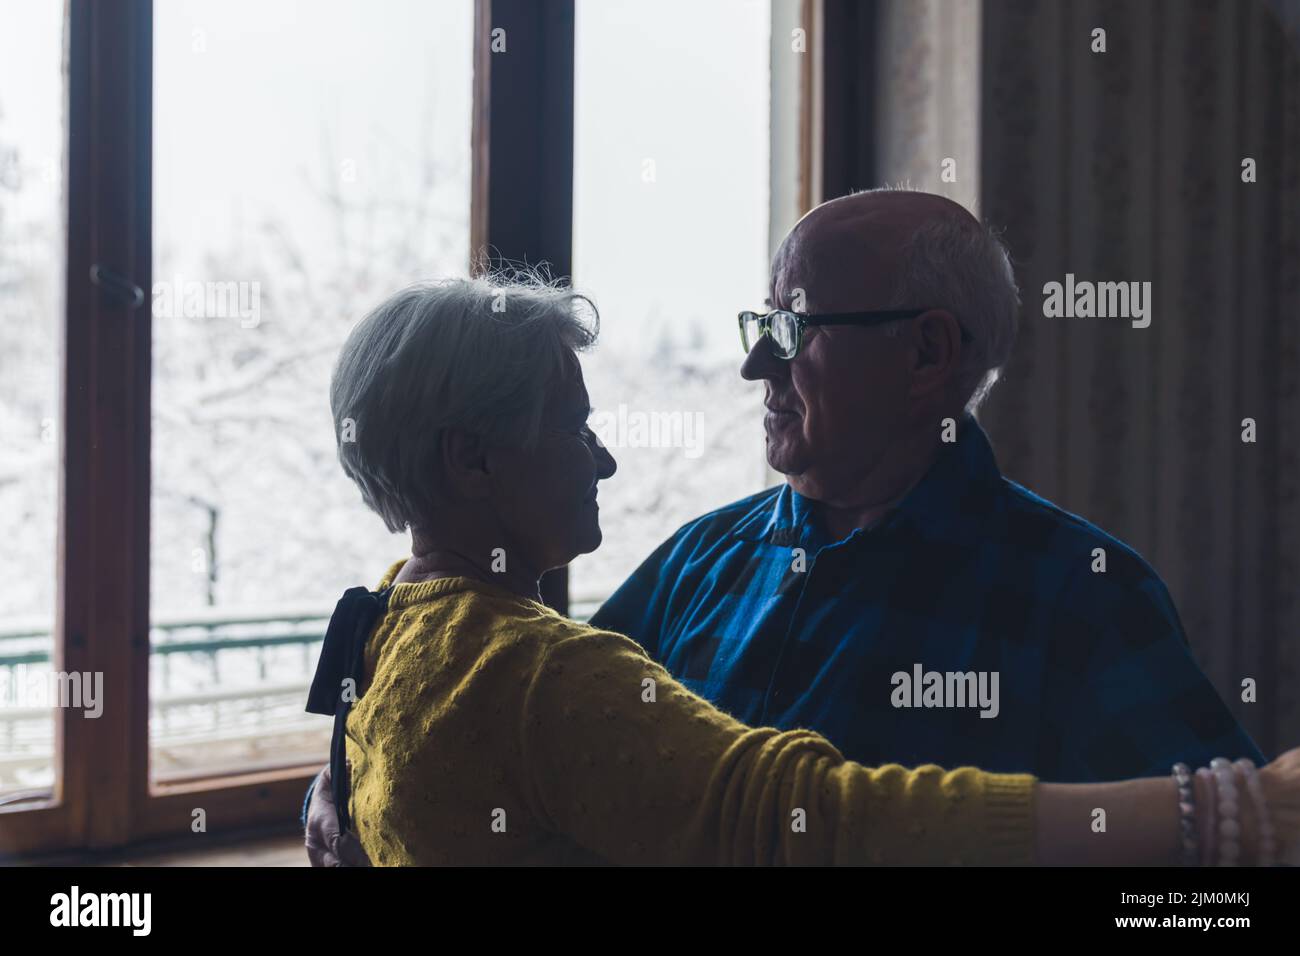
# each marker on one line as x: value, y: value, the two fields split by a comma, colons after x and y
x: 227, y: 691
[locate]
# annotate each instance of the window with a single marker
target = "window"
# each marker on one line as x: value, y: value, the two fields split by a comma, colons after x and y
x: 31, y: 299
x: 246, y: 181
x: 309, y: 159
x: 671, y: 224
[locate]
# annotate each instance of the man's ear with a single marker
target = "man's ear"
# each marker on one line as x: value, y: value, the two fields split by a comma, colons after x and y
x: 464, y: 463
x: 937, y: 344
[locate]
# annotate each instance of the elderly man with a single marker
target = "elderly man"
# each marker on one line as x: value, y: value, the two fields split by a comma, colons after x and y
x: 897, y: 593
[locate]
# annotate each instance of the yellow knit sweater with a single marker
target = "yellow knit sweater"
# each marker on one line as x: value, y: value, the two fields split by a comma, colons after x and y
x: 494, y: 731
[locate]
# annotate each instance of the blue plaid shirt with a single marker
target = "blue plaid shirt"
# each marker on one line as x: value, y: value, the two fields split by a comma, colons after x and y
x: 970, y: 572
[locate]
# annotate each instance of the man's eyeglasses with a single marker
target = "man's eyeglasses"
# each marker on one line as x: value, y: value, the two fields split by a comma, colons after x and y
x: 784, y: 329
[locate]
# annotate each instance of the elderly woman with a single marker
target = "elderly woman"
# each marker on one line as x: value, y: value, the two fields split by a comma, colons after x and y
x: 487, y: 728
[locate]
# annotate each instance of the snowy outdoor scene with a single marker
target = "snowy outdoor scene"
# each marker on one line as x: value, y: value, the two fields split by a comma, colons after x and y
x: 275, y: 230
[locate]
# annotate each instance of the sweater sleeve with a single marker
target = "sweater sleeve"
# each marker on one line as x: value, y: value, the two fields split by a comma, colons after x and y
x: 631, y: 765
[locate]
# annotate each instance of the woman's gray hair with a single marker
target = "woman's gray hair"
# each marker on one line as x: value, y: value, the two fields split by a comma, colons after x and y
x: 476, y: 354
x: 950, y: 264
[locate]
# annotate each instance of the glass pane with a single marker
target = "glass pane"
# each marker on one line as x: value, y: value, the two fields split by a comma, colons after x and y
x: 309, y: 159
x: 671, y: 238
x: 31, y: 310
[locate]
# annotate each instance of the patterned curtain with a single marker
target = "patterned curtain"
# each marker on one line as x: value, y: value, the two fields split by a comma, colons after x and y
x: 1127, y: 166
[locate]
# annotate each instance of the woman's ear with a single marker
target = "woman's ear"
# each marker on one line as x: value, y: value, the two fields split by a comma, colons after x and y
x: 464, y: 463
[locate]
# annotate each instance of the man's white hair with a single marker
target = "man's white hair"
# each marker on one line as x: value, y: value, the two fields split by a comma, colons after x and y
x: 948, y: 264
x: 476, y: 354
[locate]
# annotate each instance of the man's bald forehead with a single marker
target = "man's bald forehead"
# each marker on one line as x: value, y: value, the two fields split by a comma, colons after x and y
x: 850, y: 249
x: 880, y: 215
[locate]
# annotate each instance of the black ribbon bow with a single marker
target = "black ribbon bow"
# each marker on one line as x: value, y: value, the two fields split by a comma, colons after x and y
x: 342, y: 657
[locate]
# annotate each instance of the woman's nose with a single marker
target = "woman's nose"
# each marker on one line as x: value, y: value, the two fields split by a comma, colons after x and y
x: 605, y: 463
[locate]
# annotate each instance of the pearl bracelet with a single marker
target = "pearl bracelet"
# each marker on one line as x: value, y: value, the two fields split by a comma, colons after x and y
x: 1186, y: 814
x: 1255, y: 789
x: 1225, y: 778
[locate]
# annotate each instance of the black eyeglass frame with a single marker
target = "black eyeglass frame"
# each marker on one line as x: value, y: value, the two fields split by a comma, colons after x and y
x: 825, y: 318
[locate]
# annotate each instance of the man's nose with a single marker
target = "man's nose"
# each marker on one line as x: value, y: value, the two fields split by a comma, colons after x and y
x: 760, y: 363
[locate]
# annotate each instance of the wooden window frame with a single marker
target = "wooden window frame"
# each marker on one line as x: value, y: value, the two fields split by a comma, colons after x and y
x: 521, y: 207
x: 104, y: 479
x: 103, y: 797
x: 842, y: 102
x: 521, y: 210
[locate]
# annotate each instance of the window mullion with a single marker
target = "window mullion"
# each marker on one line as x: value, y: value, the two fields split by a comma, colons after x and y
x: 103, y: 619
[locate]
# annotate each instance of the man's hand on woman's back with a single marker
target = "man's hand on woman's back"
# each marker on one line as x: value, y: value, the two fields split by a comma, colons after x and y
x: 326, y: 846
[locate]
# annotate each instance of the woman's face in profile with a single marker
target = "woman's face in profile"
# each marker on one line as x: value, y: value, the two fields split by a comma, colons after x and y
x: 547, y: 493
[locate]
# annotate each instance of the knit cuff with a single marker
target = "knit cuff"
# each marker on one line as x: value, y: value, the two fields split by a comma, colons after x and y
x: 1009, y: 818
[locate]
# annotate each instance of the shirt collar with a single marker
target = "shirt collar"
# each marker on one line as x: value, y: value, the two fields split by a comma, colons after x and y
x: 950, y: 502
